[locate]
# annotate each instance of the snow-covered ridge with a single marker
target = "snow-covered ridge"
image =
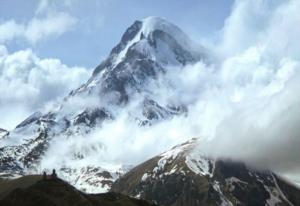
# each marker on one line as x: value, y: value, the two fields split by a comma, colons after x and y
x: 182, y: 176
x: 187, y: 153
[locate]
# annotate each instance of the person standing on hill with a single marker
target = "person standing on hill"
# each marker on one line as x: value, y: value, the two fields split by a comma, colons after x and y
x: 44, y: 175
x: 53, y: 175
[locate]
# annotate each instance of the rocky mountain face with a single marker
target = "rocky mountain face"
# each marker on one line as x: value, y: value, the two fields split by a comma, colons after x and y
x: 182, y: 176
x: 147, y: 50
x: 32, y: 190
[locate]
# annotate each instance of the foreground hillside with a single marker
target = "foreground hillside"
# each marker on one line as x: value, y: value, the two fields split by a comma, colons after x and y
x: 33, y: 191
x: 181, y: 176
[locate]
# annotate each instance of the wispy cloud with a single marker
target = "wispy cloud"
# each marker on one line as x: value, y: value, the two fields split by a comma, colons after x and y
x: 38, y: 28
x: 48, y: 21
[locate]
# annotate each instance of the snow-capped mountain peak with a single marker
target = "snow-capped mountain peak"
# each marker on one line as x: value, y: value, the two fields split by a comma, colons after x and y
x: 155, y: 39
x: 147, y: 50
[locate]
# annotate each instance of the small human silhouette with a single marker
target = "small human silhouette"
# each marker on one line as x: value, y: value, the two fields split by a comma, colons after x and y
x: 53, y: 175
x: 44, y: 175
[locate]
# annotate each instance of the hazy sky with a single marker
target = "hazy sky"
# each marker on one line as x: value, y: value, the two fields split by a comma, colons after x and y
x: 93, y: 27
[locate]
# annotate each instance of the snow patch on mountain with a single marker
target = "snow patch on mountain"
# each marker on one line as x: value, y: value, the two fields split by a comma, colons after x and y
x: 91, y: 179
x: 120, y: 57
x: 199, y: 164
x: 279, y: 192
x: 224, y: 199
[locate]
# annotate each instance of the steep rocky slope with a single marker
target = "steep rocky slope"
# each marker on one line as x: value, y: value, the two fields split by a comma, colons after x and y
x: 182, y: 176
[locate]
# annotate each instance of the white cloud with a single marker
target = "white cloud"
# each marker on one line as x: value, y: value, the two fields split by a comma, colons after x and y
x: 9, y: 30
x: 53, y: 24
x: 255, y: 22
x: 261, y: 73
x: 42, y: 6
x: 29, y: 82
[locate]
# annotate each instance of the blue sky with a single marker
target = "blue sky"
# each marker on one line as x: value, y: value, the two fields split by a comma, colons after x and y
x: 98, y: 25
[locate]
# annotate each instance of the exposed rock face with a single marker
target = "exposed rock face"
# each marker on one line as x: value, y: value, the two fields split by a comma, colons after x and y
x: 182, y: 176
x: 147, y: 50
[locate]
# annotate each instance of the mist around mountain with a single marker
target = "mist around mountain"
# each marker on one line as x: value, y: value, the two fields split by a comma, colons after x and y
x: 159, y: 88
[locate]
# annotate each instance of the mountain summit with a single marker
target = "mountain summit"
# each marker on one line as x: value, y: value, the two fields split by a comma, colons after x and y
x: 155, y: 39
x: 147, y: 48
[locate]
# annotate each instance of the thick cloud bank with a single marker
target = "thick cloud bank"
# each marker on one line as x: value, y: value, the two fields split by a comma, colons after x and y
x: 28, y: 82
x: 261, y: 74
